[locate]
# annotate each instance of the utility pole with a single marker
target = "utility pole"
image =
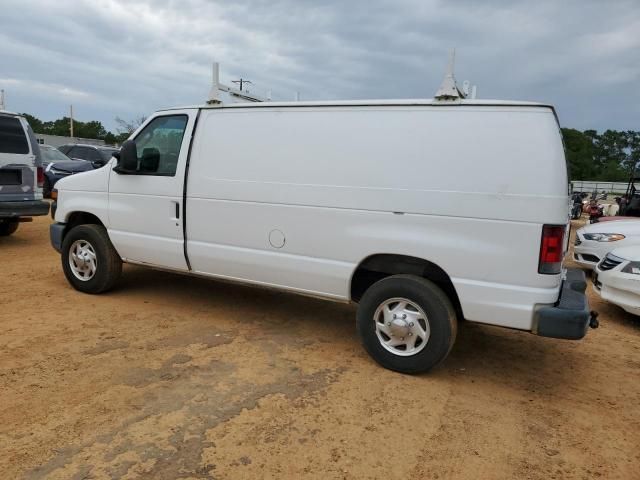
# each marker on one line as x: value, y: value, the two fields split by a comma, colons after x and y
x: 241, y: 82
x: 71, y: 119
x: 2, y: 107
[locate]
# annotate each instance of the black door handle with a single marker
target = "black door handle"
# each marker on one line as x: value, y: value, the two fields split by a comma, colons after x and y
x: 177, y: 210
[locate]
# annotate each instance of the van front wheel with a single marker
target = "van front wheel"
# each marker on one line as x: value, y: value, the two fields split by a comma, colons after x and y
x: 89, y: 260
x: 406, y: 323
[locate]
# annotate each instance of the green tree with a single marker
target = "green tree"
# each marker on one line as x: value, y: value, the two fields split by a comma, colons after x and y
x: 610, y: 156
x: 580, y: 153
x: 91, y: 129
x: 36, y: 123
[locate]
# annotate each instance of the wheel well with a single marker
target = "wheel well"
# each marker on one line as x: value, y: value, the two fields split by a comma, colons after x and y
x: 377, y: 267
x: 81, y: 218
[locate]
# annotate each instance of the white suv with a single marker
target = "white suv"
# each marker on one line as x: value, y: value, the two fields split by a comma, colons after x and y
x: 21, y: 174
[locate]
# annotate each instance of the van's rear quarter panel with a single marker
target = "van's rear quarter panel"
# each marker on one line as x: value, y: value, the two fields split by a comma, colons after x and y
x: 475, y: 185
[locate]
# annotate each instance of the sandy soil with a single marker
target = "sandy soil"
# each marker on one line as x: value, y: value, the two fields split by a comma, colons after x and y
x: 175, y: 377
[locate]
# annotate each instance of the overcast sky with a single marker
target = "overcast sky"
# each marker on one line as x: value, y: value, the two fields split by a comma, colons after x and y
x: 129, y: 58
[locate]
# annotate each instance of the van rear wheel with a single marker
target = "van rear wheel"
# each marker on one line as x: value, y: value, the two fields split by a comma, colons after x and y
x: 7, y: 227
x: 406, y: 323
x: 89, y: 260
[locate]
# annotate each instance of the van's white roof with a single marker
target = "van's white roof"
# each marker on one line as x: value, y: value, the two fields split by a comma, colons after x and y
x: 357, y: 103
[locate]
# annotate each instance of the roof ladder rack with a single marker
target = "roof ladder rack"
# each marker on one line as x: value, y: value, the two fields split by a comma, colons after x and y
x: 449, y: 91
x: 217, y: 87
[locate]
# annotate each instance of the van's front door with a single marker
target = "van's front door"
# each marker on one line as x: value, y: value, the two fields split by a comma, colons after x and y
x: 145, y: 207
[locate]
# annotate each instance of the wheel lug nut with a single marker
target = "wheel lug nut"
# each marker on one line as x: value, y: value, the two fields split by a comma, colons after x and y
x: 411, y: 324
x: 404, y: 316
x: 388, y: 324
x: 410, y: 334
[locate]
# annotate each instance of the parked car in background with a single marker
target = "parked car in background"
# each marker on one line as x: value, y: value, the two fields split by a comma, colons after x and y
x: 357, y: 201
x: 594, y: 241
x: 617, y: 278
x: 21, y: 173
x: 97, y: 154
x: 57, y: 165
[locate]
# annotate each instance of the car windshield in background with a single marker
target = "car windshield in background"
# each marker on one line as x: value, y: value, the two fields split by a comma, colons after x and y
x: 50, y: 154
x: 107, y: 153
x: 12, y: 136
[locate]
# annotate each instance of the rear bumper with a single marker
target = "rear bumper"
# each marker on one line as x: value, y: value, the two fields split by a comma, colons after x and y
x: 570, y: 317
x: 26, y: 208
x: 56, y: 232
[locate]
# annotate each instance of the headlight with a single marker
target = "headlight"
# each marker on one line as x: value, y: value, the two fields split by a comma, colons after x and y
x: 603, y: 237
x: 632, y: 267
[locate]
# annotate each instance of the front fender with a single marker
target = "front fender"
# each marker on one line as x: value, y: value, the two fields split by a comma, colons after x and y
x: 86, y: 192
x: 70, y: 202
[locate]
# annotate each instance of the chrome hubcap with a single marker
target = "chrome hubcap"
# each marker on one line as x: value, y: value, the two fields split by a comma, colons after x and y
x: 402, y: 326
x: 82, y: 260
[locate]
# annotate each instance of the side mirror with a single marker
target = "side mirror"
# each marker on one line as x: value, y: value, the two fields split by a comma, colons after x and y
x: 127, y: 158
x: 98, y: 163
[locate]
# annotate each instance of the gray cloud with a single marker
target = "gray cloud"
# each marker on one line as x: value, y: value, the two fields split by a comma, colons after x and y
x: 125, y: 58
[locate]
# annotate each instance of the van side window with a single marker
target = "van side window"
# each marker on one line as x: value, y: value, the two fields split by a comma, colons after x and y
x: 12, y: 136
x: 159, y: 144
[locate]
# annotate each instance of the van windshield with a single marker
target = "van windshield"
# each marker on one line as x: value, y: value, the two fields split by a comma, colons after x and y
x: 12, y: 136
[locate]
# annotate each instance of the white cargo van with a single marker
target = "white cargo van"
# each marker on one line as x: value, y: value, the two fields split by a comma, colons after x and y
x: 423, y: 213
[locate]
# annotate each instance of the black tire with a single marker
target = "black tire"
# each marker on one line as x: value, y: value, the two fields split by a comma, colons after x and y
x: 434, y: 303
x: 7, y: 227
x: 108, y: 262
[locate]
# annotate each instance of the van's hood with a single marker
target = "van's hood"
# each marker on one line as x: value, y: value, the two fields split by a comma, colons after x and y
x: 94, y: 181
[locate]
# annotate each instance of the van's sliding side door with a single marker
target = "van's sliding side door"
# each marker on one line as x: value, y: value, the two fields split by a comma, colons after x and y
x: 145, y: 207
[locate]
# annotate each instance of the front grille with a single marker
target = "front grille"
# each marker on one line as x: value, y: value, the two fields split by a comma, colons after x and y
x: 609, y: 262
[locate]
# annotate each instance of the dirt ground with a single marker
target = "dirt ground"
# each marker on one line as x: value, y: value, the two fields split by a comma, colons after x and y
x: 174, y: 377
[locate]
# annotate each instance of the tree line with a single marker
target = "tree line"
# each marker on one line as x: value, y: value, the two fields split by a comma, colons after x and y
x: 610, y: 156
x: 92, y: 129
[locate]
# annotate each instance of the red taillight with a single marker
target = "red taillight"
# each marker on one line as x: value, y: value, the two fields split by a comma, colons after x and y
x: 40, y: 177
x: 551, y: 249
